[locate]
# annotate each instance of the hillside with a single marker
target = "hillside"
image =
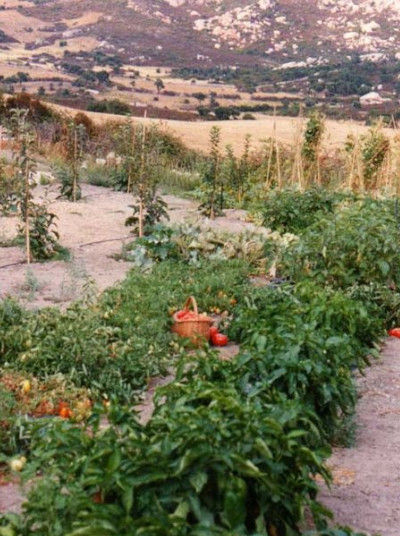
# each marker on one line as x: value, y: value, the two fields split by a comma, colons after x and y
x: 245, y: 57
x: 175, y: 32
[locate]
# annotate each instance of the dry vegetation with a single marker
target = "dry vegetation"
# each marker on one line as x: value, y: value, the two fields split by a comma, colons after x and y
x: 196, y: 135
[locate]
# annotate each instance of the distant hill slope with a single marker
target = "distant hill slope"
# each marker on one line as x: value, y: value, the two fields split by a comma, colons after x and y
x: 212, y: 32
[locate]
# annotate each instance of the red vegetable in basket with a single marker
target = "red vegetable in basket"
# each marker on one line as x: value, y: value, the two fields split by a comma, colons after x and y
x: 186, y: 315
x: 395, y: 332
x: 218, y: 339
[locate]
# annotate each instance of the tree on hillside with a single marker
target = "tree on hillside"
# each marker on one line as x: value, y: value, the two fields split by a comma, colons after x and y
x: 159, y: 85
x: 199, y: 96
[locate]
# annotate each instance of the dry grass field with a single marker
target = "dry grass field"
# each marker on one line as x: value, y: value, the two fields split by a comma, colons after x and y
x: 196, y: 134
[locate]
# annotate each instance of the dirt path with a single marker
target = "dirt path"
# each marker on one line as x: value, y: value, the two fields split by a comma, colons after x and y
x: 366, y: 491
x: 93, y: 230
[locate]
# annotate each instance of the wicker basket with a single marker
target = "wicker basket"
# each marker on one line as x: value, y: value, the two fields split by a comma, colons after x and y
x: 197, y: 330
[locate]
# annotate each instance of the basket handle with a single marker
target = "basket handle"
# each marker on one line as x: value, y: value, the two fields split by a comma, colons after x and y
x: 191, y: 301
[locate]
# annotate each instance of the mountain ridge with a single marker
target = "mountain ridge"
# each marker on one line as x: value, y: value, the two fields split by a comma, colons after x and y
x: 219, y: 32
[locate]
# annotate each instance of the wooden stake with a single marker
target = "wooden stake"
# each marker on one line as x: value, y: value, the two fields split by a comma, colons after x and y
x: 27, y: 219
x: 74, y: 166
x: 141, y: 189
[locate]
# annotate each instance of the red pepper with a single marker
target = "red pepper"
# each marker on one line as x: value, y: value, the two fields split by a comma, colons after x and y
x: 395, y: 332
x: 65, y: 413
x: 213, y: 331
x: 219, y: 339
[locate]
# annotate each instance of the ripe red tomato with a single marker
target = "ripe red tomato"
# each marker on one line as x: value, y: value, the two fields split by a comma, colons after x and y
x: 219, y: 339
x: 213, y: 331
x: 65, y: 412
x: 395, y: 332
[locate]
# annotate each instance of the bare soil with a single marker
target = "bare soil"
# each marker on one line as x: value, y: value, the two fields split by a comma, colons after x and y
x: 93, y: 230
x: 366, y: 490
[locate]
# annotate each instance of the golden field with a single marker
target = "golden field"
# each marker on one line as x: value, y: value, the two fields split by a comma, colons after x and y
x: 195, y: 134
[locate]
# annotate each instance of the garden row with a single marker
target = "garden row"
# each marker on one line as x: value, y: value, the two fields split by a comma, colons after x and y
x: 233, y: 447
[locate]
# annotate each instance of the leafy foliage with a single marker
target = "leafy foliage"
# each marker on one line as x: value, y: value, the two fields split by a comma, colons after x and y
x: 213, y: 186
x: 233, y: 447
x: 43, y: 234
x: 305, y: 341
x: 292, y: 211
x: 74, y: 144
x: 359, y: 244
x: 312, y: 138
x: 154, y: 210
x: 374, y: 152
x: 115, y: 346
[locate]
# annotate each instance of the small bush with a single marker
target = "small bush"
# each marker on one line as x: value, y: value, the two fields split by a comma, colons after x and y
x: 112, y: 106
x: 357, y: 245
x: 292, y: 211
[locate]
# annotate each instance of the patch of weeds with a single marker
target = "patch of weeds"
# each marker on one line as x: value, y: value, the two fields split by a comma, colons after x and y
x: 72, y: 281
x: 31, y: 285
x: 9, y: 242
x: 61, y: 254
x: 345, y: 432
x: 99, y: 175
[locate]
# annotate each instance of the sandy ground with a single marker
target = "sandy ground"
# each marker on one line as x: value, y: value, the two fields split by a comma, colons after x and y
x: 98, y: 217
x: 93, y: 230
x: 366, y: 492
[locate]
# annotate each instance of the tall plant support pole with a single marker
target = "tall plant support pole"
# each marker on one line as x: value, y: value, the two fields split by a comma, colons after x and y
x: 273, y: 146
x: 245, y: 162
x: 215, y: 156
x: 318, y: 155
x: 74, y: 168
x: 141, y: 187
x: 277, y: 152
x: 297, y: 169
x: 132, y: 150
x: 269, y: 165
x: 27, y: 215
x: 278, y: 163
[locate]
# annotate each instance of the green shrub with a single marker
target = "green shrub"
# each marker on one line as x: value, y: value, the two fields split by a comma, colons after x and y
x: 7, y: 405
x: 304, y: 342
x: 292, y: 211
x: 99, y: 175
x: 357, y: 245
x: 110, y: 106
x: 208, y: 462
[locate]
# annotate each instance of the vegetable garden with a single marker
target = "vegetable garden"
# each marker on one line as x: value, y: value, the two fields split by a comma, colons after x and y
x: 233, y: 447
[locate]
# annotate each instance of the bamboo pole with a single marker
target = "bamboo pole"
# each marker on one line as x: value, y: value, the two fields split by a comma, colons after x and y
x: 141, y: 188
x: 74, y: 165
x: 27, y: 218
